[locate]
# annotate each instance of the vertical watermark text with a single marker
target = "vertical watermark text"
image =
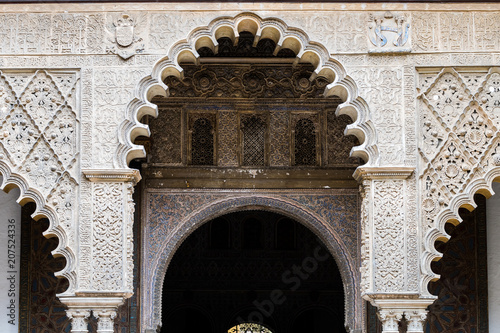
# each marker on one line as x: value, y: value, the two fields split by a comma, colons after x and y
x: 11, y: 272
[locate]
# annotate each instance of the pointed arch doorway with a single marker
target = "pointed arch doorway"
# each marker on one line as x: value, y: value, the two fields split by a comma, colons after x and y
x: 255, y: 270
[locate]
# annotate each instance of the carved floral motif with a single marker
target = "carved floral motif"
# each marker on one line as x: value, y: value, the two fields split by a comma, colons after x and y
x: 389, y: 238
x: 107, y: 235
x: 460, y: 133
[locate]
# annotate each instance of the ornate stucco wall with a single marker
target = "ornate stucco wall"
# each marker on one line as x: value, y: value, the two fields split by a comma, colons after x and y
x: 420, y: 81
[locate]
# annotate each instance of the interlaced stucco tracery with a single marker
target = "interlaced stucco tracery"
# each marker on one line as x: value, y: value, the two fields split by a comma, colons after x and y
x: 460, y: 142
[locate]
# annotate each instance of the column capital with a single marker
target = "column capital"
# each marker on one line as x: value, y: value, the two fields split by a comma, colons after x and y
x: 390, y: 319
x: 79, y: 319
x: 416, y: 319
x: 105, y: 320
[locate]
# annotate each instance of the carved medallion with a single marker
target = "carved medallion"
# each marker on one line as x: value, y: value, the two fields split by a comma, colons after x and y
x: 124, y: 34
x: 388, y: 33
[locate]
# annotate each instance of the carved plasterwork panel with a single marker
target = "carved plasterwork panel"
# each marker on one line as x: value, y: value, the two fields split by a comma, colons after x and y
x: 455, y: 31
x: 389, y: 238
x: 425, y: 31
x: 166, y: 29
x: 338, y: 32
x: 486, y: 33
x: 43, y: 33
x: 458, y: 118
x: 107, y: 236
x: 39, y: 146
x: 382, y: 88
x: 112, y: 89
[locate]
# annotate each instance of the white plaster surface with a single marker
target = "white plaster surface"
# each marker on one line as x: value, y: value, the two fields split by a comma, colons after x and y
x: 493, y: 241
x: 9, y: 210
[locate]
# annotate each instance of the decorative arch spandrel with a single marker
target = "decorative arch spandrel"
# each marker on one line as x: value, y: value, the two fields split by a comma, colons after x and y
x: 467, y: 161
x: 39, y: 152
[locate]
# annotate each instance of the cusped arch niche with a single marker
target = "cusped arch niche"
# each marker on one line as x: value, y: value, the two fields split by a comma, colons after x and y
x: 465, y: 199
x: 479, y: 174
x: 152, y: 302
x: 185, y: 51
x: 10, y: 180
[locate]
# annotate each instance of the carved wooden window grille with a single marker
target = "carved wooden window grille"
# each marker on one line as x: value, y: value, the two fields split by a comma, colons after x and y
x: 202, y: 142
x: 305, y: 143
x: 254, y: 138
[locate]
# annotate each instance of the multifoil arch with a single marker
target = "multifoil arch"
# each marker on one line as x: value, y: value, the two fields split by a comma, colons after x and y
x: 285, y: 37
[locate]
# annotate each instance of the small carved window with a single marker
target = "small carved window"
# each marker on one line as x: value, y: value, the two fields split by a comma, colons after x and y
x: 254, y: 133
x: 202, y: 142
x: 305, y: 143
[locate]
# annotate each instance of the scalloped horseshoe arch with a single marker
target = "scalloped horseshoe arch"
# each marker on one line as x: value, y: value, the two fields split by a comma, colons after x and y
x: 11, y: 180
x: 465, y: 199
x: 285, y: 37
x: 151, y: 301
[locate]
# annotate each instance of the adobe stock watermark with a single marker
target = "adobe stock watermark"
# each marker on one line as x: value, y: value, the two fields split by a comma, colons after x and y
x: 293, y: 278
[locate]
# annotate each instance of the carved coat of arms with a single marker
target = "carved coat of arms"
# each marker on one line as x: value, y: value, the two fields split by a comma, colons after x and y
x: 388, y: 31
x: 124, y: 34
x: 124, y: 31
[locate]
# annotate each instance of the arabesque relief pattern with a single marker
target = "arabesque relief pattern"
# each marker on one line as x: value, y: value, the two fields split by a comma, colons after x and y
x: 460, y: 141
x: 459, y: 137
x: 39, y: 142
x: 82, y: 81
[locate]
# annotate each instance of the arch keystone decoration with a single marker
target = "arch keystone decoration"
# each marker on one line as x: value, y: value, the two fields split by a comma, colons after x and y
x: 285, y: 37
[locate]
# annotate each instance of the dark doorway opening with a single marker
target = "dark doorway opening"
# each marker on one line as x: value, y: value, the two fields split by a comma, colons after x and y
x: 253, y: 267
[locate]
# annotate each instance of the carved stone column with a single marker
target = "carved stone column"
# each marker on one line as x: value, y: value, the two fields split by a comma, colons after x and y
x: 105, y: 320
x: 79, y: 320
x: 105, y: 266
x: 390, y: 265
